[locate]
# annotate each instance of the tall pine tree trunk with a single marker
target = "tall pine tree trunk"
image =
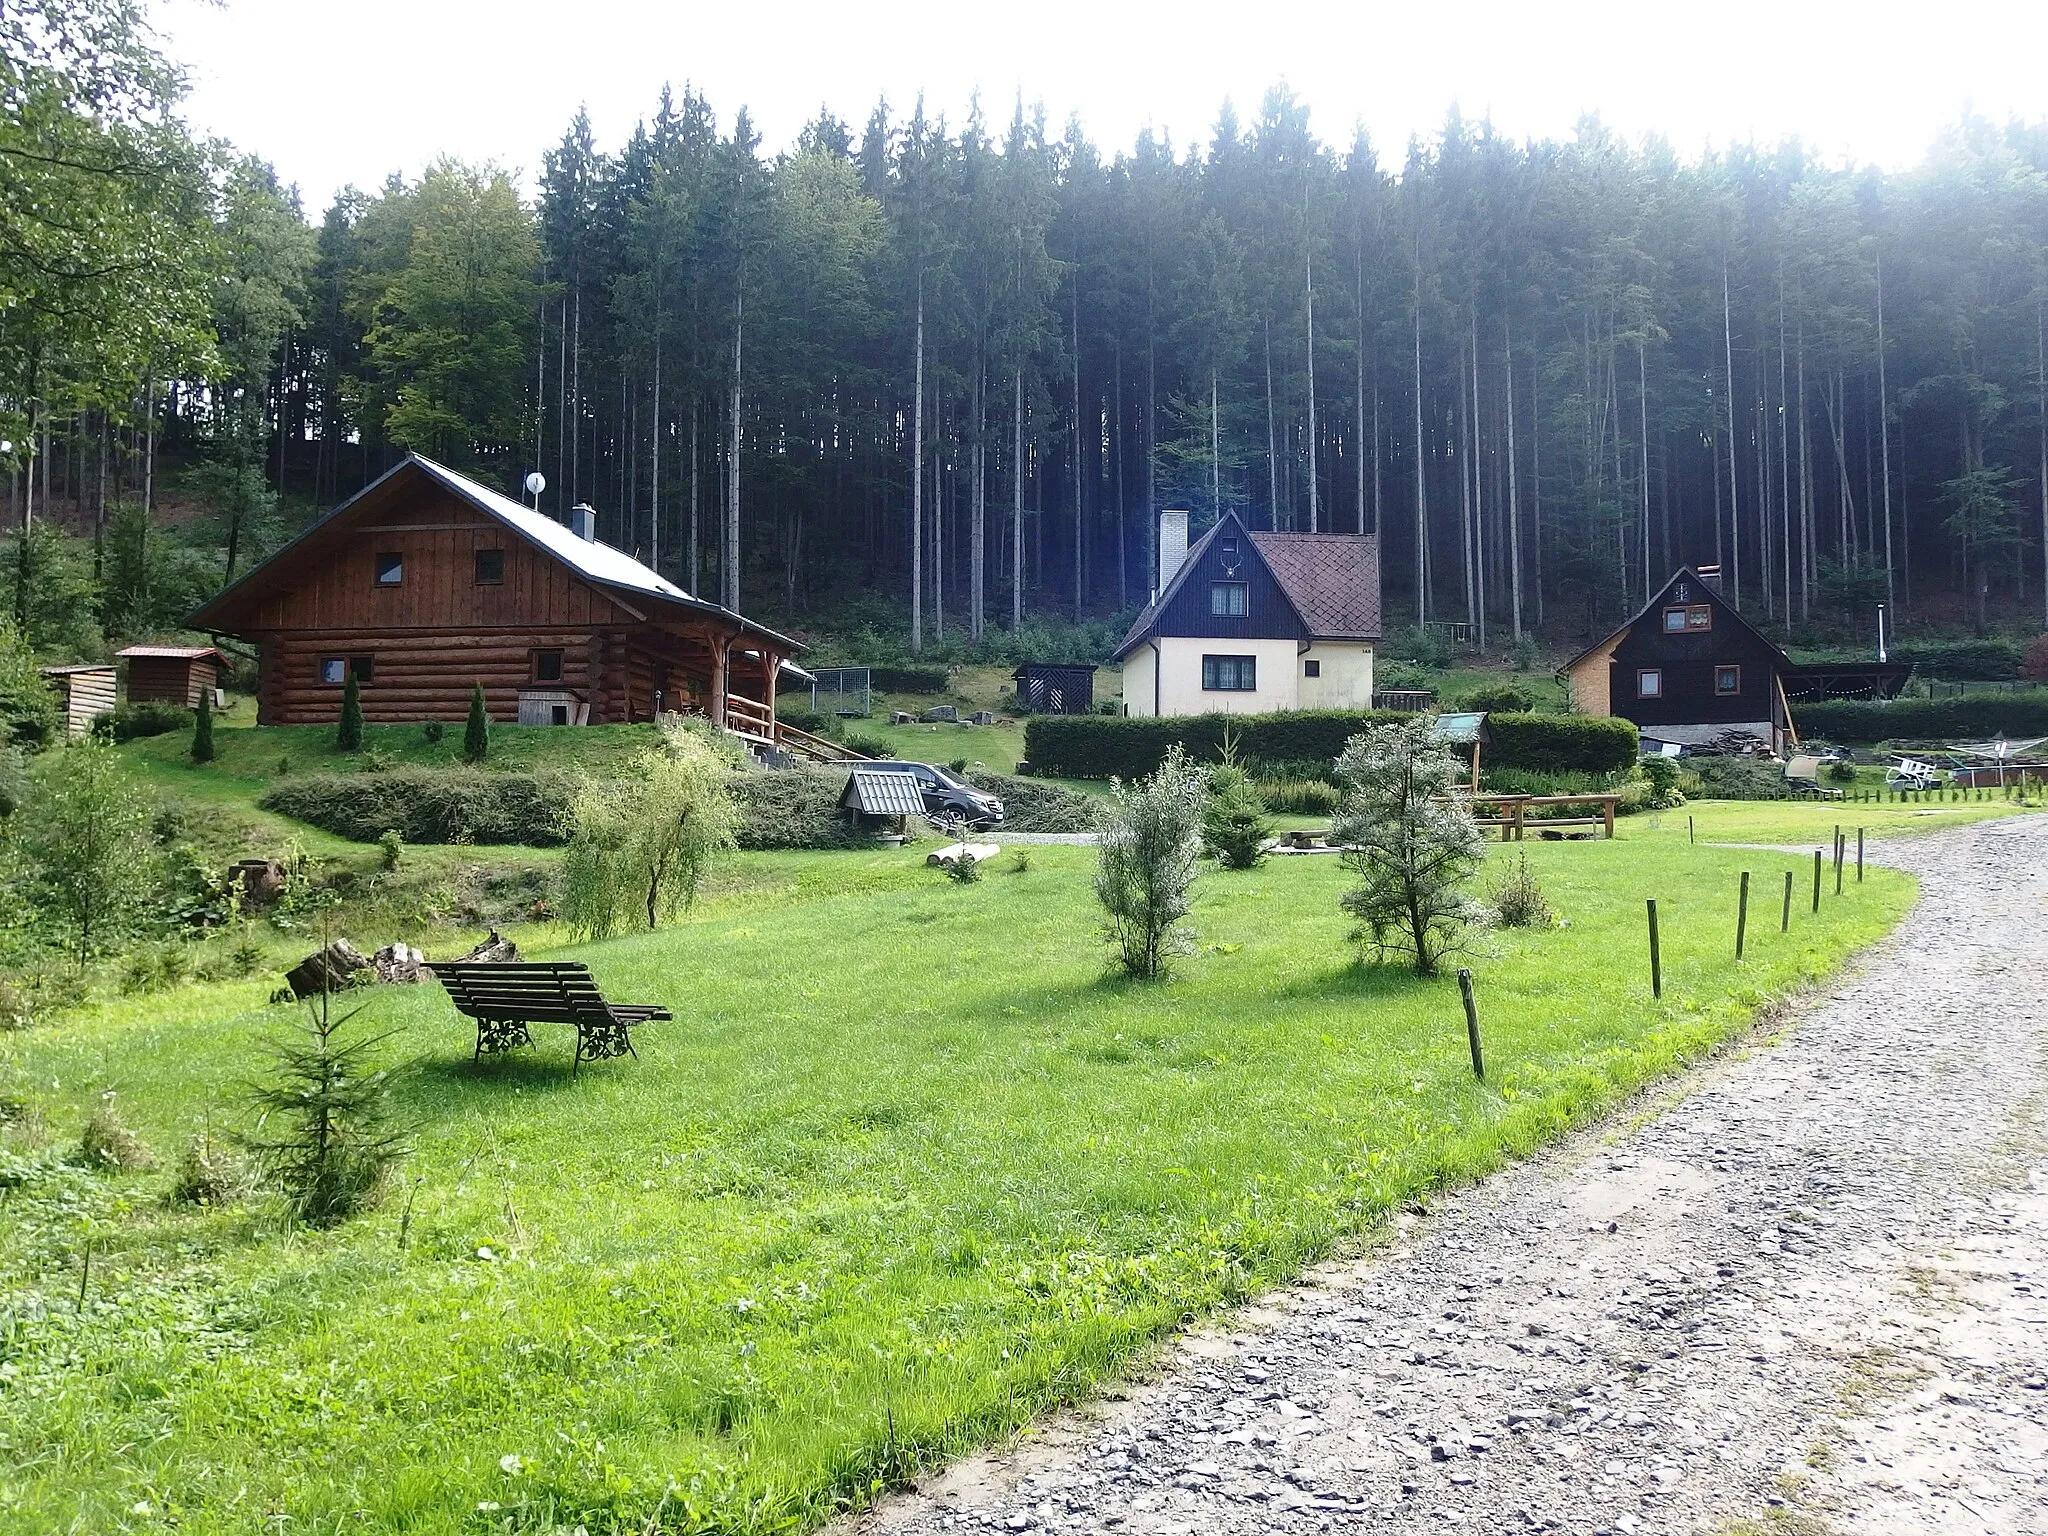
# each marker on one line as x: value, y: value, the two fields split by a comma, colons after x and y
x: 1314, y: 503
x: 1514, y: 497
x: 917, y: 481
x: 1017, y: 503
x: 1734, y: 480
x: 1421, y: 492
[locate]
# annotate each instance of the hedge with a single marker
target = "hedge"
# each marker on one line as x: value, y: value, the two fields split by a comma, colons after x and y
x: 430, y: 805
x: 1030, y: 805
x: 1973, y: 717
x: 1101, y: 747
x: 1966, y: 660
x: 908, y: 679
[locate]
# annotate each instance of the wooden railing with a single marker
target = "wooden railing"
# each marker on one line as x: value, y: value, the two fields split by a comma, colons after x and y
x: 750, y: 718
x: 804, y: 744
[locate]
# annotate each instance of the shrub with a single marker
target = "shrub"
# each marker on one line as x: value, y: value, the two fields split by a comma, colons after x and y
x: 476, y: 733
x: 84, y: 833
x: 430, y: 805
x: 1522, y: 654
x: 962, y: 869
x: 1518, y: 901
x: 869, y: 746
x: 390, y: 849
x: 202, y: 729
x: 1420, y: 644
x: 640, y: 842
x: 1234, y: 825
x: 1738, y: 778
x: 1499, y: 698
x: 108, y: 1145
x: 1662, y: 774
x: 1104, y: 747
x: 807, y: 719
x: 432, y: 732
x: 151, y: 717
x: 154, y: 967
x: 1562, y: 743
x: 1151, y: 839
x: 348, y: 731
x: 908, y: 679
x: 206, y: 1174
x: 1973, y: 717
x: 28, y: 707
x: 1411, y: 842
x: 1030, y: 805
x: 1974, y: 660
x: 793, y: 808
x: 1839, y: 772
x: 325, y: 1137
x: 1020, y: 860
x: 1299, y: 797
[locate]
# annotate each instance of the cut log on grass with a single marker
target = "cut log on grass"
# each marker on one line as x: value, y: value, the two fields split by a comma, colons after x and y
x: 492, y: 949
x: 952, y: 851
x: 334, y: 969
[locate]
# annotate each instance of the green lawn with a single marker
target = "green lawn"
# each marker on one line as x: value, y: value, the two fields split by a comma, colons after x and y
x: 909, y: 1169
x: 1802, y: 822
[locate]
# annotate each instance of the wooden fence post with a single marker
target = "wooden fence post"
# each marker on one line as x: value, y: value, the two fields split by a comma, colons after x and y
x: 1816, y: 879
x: 1742, y: 915
x: 1472, y: 1024
x: 1859, y: 855
x: 1841, y: 851
x: 1785, y: 922
x: 1656, y: 960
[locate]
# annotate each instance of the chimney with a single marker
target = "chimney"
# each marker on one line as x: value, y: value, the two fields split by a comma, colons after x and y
x: 1173, y: 545
x: 1710, y: 578
x: 583, y: 522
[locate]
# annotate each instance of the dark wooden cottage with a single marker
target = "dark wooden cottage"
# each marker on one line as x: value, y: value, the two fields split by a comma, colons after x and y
x: 1687, y: 669
x: 173, y: 674
x: 426, y: 583
x: 1052, y: 688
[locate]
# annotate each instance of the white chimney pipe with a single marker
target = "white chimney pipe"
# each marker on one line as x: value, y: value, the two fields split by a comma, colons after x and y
x: 583, y: 522
x: 1173, y: 545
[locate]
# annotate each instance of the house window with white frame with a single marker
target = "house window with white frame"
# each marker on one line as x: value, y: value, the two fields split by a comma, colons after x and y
x: 1229, y: 599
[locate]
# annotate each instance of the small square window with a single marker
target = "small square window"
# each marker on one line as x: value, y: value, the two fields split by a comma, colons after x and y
x: 333, y: 669
x: 1674, y: 621
x: 1728, y: 680
x: 490, y: 567
x: 1226, y: 548
x: 1228, y: 599
x: 390, y: 568
x: 363, y: 667
x: 1311, y: 669
x: 1650, y: 684
x: 547, y: 666
x: 558, y: 714
x: 1699, y: 616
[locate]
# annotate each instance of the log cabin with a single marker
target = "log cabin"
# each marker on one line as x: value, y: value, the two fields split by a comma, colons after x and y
x: 425, y: 583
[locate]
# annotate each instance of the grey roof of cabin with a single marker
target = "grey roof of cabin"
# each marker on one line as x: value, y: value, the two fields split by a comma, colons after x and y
x: 1714, y: 595
x: 599, y: 563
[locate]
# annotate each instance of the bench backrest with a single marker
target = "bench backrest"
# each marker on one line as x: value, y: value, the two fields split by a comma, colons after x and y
x: 542, y: 992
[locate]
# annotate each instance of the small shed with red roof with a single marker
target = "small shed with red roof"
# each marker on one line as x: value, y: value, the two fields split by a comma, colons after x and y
x: 175, y: 674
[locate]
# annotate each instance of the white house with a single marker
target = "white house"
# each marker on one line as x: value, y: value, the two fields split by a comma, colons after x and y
x: 1249, y: 622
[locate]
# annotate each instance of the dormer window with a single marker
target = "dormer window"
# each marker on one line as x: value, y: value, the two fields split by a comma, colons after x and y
x: 1229, y: 599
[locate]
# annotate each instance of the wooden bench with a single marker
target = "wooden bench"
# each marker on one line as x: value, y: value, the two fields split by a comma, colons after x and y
x: 505, y: 998
x: 1514, y: 820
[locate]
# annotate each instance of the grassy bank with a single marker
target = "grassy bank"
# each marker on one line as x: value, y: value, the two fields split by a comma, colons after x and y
x: 907, y: 1170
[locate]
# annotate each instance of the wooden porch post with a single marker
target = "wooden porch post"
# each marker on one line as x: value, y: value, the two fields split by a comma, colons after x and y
x: 771, y: 666
x: 718, y: 680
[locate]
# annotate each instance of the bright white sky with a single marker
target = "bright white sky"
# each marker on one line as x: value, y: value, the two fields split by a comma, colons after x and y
x: 340, y: 91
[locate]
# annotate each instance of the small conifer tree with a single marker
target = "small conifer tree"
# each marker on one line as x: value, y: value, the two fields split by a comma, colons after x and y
x: 348, y: 736
x: 202, y: 728
x: 1151, y: 839
x: 476, y: 736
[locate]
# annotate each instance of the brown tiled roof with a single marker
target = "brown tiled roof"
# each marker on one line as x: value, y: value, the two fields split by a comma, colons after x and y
x: 1333, y: 580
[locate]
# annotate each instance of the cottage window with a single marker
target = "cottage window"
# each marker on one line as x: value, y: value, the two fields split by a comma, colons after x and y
x: 1650, y: 684
x: 547, y: 666
x: 390, y: 568
x: 333, y: 669
x: 1226, y: 548
x: 363, y: 667
x: 1229, y: 599
x: 490, y: 567
x: 1674, y: 621
x: 1311, y: 669
x: 1229, y: 674
x: 1728, y: 680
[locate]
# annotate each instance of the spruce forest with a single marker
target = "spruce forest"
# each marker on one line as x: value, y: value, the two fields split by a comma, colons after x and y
x: 927, y: 383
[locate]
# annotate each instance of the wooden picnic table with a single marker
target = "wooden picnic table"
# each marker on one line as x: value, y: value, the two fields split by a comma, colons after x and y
x: 1513, y: 818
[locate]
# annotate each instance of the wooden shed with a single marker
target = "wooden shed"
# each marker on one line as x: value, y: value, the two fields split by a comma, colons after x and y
x: 1053, y: 688
x: 84, y: 692
x: 176, y: 674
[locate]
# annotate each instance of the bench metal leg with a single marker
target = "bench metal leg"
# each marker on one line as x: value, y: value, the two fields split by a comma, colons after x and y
x: 495, y: 1035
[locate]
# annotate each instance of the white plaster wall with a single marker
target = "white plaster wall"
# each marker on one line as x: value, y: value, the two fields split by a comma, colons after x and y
x: 1181, y: 692
x: 1346, y: 682
x: 1137, y: 681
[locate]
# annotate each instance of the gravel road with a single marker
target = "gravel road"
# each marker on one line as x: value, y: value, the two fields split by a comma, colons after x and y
x: 1803, y: 1291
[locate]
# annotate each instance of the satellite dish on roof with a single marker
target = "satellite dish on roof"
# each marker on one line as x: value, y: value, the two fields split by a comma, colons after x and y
x: 536, y: 482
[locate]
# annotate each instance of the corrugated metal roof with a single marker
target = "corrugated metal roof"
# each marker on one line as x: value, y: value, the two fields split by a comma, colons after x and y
x: 77, y: 667
x: 882, y: 793
x: 174, y: 652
